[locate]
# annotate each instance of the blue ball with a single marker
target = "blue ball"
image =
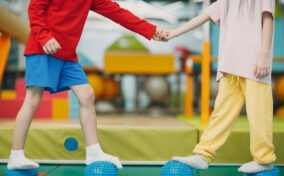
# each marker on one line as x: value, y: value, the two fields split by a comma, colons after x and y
x: 101, y: 168
x: 274, y: 172
x: 175, y: 168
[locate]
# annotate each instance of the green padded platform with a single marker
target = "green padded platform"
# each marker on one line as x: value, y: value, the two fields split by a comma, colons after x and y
x: 236, y: 148
x: 131, y: 139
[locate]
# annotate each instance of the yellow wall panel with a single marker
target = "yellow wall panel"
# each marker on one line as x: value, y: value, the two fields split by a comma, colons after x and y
x: 60, y: 109
x: 139, y: 63
x: 8, y: 94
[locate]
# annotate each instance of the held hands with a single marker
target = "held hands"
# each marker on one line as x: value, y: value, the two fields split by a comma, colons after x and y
x: 51, y: 47
x: 164, y: 34
x: 159, y: 34
x: 262, y: 67
x: 171, y: 34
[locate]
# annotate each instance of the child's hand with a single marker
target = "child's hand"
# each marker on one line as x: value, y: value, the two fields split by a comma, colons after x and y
x: 52, y: 46
x: 170, y: 34
x: 262, y: 67
x: 160, y: 35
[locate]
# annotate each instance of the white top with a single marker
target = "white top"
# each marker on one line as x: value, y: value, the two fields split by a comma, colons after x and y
x: 240, y: 36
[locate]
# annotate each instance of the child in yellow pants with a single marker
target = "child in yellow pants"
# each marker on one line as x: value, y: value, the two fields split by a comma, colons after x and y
x: 244, y: 72
x: 233, y: 92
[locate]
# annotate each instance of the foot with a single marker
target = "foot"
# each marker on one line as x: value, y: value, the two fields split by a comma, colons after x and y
x: 195, y: 161
x: 95, y: 153
x: 105, y: 157
x: 254, y: 167
x: 22, y: 163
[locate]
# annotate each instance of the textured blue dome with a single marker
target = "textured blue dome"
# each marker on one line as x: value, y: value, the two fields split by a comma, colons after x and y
x: 101, y: 168
x: 175, y: 168
x: 22, y: 172
x: 274, y: 172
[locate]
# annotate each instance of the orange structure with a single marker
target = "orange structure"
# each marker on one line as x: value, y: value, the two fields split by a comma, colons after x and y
x: 280, y: 112
x: 5, y: 44
x: 11, y: 23
x: 279, y: 88
x: 205, y: 83
x: 189, y: 89
x: 111, y: 88
x: 97, y: 82
x: 139, y: 63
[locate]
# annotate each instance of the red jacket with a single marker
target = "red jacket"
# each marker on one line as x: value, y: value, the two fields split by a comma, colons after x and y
x: 64, y: 20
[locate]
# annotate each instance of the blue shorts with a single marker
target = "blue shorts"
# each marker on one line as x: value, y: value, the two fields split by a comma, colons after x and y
x: 54, y: 74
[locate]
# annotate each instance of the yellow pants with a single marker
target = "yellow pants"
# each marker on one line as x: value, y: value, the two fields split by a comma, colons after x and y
x: 232, y: 94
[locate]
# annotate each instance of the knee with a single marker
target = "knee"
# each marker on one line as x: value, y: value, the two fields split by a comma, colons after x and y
x: 34, y: 98
x: 87, y: 97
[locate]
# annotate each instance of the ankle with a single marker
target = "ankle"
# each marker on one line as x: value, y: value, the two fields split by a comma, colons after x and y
x: 204, y: 158
x: 93, y: 150
x: 17, y: 153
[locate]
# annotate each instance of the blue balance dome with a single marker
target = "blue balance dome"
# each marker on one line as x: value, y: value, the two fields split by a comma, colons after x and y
x: 175, y: 168
x: 274, y: 172
x: 22, y: 172
x: 101, y: 168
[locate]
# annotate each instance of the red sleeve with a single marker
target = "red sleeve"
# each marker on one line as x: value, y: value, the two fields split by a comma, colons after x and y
x: 113, y: 11
x: 38, y: 25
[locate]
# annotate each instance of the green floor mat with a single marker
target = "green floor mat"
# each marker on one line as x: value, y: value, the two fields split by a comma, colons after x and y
x: 78, y: 170
x: 42, y: 169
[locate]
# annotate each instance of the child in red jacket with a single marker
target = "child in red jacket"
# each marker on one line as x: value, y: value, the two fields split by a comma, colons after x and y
x: 52, y: 65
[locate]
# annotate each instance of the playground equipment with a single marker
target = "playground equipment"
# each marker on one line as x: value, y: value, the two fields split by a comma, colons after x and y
x: 104, y: 106
x: 189, y: 88
x: 279, y: 88
x: 142, y: 64
x: 54, y: 106
x: 157, y: 88
x: 97, y: 82
x: 205, y: 71
x: 280, y: 112
x: 111, y: 88
x: 138, y: 63
x: 105, y: 88
x: 14, y: 25
x: 5, y: 44
x: 10, y: 25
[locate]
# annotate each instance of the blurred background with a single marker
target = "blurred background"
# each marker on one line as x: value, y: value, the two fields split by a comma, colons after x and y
x: 129, y: 73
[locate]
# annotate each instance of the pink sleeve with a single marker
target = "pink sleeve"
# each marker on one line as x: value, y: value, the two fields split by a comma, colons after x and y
x: 214, y: 12
x: 38, y: 25
x: 268, y: 6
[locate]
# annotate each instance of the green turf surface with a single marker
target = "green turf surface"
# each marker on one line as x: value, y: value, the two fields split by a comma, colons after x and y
x: 240, y: 125
x: 78, y: 170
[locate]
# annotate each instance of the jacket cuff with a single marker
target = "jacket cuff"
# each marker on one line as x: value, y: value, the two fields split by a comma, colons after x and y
x: 152, y: 30
x: 44, y: 40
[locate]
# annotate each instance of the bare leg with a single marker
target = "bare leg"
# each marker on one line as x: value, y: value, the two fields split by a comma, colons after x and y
x: 86, y: 97
x: 25, y: 115
x: 22, y: 124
